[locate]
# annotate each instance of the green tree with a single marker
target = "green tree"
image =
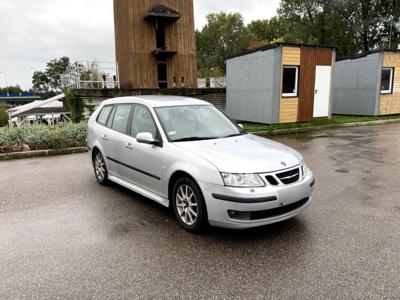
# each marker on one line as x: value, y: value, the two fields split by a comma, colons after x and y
x: 370, y: 21
x: 3, y: 117
x: 353, y: 26
x: 224, y: 35
x: 309, y: 20
x: 11, y: 89
x: 50, y: 79
x: 268, y: 30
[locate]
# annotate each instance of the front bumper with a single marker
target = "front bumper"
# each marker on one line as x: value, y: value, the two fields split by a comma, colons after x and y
x: 241, y: 208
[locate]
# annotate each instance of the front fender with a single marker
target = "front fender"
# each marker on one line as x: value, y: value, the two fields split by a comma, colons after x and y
x: 197, y: 167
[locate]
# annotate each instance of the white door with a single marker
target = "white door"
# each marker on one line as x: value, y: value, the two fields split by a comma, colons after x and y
x: 322, y: 91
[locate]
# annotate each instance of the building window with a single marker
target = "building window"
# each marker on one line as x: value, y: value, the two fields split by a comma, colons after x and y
x: 387, y: 80
x: 162, y: 74
x: 160, y: 35
x: 290, y: 81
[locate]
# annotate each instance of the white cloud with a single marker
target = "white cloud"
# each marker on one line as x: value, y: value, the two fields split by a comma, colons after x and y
x: 34, y: 32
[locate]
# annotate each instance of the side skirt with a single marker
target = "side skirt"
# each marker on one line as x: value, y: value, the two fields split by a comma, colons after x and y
x: 161, y: 200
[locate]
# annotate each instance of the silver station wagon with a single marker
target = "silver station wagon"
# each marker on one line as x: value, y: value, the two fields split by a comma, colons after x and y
x: 186, y: 154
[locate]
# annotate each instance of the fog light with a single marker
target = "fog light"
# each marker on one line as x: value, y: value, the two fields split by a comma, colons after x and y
x: 239, y: 215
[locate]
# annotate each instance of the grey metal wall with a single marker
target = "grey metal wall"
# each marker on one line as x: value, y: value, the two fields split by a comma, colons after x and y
x: 253, y: 86
x: 356, y: 85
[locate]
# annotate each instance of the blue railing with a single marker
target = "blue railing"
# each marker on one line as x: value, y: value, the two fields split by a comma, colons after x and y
x: 14, y: 95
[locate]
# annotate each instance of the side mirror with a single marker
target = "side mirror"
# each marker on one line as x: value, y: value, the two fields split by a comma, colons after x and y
x: 241, y: 126
x: 146, y: 138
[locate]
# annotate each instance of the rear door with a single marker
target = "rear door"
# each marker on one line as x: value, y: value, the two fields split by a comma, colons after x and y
x: 322, y: 91
x: 114, y: 138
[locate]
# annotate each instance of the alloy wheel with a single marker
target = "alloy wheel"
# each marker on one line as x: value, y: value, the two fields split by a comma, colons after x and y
x: 187, y: 205
x: 100, y: 167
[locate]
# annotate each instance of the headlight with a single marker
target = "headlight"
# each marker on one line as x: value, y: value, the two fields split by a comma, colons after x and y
x: 305, y: 169
x: 242, y: 180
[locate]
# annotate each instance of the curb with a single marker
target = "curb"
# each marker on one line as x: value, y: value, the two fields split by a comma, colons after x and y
x: 42, y: 153
x: 323, y: 127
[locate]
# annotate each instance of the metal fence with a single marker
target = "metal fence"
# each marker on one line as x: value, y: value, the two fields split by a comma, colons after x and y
x: 91, y: 75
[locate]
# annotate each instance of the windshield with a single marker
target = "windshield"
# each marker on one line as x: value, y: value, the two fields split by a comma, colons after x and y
x: 196, y: 122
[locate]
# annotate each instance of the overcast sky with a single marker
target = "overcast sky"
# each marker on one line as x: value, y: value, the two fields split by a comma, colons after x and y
x: 34, y: 32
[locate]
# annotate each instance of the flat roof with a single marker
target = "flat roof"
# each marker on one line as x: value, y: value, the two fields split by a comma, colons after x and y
x: 46, y: 105
x: 365, y: 54
x: 277, y: 45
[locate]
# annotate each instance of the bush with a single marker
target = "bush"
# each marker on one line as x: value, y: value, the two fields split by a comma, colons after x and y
x: 3, y: 117
x: 40, y: 137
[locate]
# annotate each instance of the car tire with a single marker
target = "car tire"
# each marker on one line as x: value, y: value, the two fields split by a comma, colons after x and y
x: 189, y: 206
x: 100, y: 168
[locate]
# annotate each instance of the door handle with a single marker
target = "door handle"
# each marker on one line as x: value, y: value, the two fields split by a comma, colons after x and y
x: 316, y: 92
x: 129, y: 146
x: 105, y: 137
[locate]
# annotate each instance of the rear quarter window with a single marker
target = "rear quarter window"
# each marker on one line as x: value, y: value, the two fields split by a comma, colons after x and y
x: 104, y: 114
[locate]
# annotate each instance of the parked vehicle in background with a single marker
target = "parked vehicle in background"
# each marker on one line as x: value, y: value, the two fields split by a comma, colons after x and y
x: 186, y: 154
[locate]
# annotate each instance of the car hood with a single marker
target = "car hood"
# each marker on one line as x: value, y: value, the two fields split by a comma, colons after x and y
x: 244, y: 154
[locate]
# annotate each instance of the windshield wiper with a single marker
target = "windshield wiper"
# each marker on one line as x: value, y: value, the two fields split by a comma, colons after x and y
x: 193, y: 138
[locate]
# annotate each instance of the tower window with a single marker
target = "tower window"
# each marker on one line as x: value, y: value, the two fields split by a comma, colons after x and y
x: 162, y: 74
x: 160, y: 35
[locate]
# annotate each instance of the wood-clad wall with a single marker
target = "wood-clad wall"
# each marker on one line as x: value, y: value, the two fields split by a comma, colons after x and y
x: 135, y: 40
x: 390, y: 103
x: 301, y: 108
x: 288, y: 110
x: 310, y: 59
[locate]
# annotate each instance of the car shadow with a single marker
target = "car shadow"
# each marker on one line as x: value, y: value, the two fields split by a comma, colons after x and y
x: 142, y: 211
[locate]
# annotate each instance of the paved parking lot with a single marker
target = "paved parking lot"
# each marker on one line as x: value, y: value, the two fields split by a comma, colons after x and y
x: 62, y: 235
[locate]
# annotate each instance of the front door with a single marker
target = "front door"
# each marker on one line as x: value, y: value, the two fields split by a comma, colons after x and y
x: 322, y: 92
x: 144, y: 162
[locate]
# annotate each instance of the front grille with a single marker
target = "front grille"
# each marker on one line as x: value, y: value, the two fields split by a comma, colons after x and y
x: 265, y: 214
x: 271, y: 179
x: 289, y: 177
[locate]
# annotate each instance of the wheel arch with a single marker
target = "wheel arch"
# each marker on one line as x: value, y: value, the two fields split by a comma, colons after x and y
x: 182, y: 174
x: 174, y: 178
x: 95, y: 149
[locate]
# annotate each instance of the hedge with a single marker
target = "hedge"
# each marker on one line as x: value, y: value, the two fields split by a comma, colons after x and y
x: 41, y: 137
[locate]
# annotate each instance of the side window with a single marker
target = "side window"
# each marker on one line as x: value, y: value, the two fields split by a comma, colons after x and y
x: 111, y: 118
x: 290, y: 81
x: 104, y: 114
x: 142, y: 121
x: 121, y: 118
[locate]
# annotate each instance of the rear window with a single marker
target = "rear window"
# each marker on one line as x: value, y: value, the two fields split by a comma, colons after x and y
x: 104, y: 114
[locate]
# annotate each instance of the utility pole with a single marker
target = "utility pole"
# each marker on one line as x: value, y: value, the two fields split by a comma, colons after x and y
x: 5, y: 76
x: 390, y: 33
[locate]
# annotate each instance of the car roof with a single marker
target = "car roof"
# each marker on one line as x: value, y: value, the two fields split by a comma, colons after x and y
x: 156, y: 101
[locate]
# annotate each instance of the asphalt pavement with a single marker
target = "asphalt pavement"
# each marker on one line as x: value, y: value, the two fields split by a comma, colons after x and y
x: 64, y: 236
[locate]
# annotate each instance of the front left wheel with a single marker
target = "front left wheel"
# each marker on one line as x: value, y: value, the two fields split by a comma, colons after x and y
x: 100, y: 169
x: 189, y: 206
